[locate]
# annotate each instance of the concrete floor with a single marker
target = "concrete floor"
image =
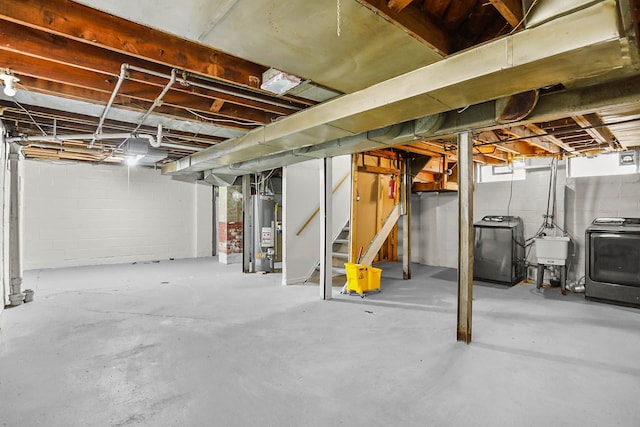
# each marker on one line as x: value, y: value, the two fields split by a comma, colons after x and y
x: 193, y: 343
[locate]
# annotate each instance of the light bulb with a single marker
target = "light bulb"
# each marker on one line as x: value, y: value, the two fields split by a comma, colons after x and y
x: 9, y: 81
x: 9, y: 90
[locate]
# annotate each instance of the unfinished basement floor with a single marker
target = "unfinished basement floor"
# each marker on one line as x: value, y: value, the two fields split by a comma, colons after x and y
x: 197, y: 343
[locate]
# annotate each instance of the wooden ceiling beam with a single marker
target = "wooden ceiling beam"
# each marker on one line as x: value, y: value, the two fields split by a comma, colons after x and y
x: 398, y: 5
x: 31, y: 69
x: 543, y: 134
x: 592, y: 124
x: 416, y: 24
x: 85, y: 24
x: 28, y: 42
x: 511, y: 10
x: 533, y: 138
x: 522, y: 148
x: 418, y: 150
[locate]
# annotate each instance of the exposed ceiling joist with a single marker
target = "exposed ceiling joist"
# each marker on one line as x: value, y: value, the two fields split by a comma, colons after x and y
x: 415, y: 23
x: 593, y: 126
x: 511, y: 10
x: 81, y: 23
x: 534, y: 138
x: 545, y: 136
x: 398, y: 5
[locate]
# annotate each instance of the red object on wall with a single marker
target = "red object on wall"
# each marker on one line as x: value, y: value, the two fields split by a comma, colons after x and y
x: 392, y: 188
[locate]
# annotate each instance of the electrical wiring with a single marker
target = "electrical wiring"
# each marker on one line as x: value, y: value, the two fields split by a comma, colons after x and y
x: 211, y: 119
x: 30, y: 116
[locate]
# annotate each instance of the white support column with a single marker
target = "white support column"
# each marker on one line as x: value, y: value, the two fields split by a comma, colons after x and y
x: 247, y: 234
x: 326, y: 276
x: 465, y: 236
x: 406, y: 219
x: 16, y: 297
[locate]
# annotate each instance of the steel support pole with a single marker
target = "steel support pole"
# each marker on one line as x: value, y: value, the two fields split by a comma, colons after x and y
x: 465, y: 236
x: 16, y: 297
x: 406, y: 219
x: 214, y: 220
x: 247, y: 234
x: 326, y: 243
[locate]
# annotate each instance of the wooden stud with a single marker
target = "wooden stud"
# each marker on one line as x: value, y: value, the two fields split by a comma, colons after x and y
x: 465, y: 237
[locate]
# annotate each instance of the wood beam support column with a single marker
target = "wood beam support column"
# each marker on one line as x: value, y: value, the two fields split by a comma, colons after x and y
x: 465, y: 236
x: 406, y: 219
x: 326, y: 243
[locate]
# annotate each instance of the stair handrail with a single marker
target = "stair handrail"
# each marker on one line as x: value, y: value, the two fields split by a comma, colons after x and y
x: 306, y: 223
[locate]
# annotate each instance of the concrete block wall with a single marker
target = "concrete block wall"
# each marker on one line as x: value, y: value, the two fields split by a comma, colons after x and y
x: 592, y: 197
x: 434, y: 229
x: 528, y: 201
x: 435, y: 221
x: 579, y: 201
x: 81, y: 214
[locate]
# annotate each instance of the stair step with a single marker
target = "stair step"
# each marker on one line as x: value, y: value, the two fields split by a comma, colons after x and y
x: 345, y: 241
x: 340, y: 255
x: 346, y: 228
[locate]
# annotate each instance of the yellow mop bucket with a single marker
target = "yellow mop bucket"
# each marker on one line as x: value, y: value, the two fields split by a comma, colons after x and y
x: 362, y: 278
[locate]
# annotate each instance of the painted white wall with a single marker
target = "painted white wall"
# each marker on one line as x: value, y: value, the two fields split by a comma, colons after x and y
x: 528, y: 200
x: 579, y: 201
x: 301, y: 196
x: 436, y: 219
x: 203, y: 224
x: 81, y: 214
x: 434, y: 229
x: 592, y: 197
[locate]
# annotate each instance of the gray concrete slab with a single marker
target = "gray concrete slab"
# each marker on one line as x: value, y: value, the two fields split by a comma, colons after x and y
x: 194, y: 342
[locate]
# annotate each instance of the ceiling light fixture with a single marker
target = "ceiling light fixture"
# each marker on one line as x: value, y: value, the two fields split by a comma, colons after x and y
x: 133, y: 160
x: 278, y: 82
x: 9, y: 81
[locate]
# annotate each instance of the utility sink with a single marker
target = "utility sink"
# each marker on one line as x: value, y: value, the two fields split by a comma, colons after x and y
x: 552, y: 250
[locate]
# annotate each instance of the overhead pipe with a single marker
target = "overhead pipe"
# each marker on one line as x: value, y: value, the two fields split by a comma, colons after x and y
x: 116, y: 89
x: 184, y: 81
x: 157, y: 102
x: 180, y: 146
x: 27, y: 140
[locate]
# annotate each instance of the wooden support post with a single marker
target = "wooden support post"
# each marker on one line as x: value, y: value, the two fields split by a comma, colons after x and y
x: 465, y: 236
x: 406, y: 218
x: 247, y: 225
x: 326, y: 243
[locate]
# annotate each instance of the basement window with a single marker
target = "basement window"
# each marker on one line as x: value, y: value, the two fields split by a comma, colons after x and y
x: 622, y: 163
x: 514, y: 171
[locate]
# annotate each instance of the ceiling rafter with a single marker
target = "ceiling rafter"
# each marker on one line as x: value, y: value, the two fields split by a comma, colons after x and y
x: 415, y: 23
x: 511, y: 10
x: 25, y: 48
x: 398, y: 5
x: 593, y: 126
x: 534, y: 138
x: 85, y: 24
